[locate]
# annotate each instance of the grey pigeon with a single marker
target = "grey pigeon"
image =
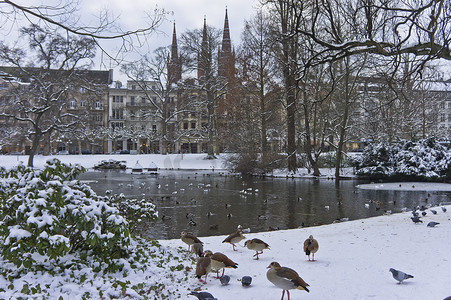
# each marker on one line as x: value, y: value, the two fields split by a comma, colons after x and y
x: 432, y: 224
x: 246, y: 280
x: 416, y: 219
x: 224, y: 279
x: 434, y: 212
x: 203, y: 295
x: 444, y: 209
x: 400, y: 276
x: 424, y: 213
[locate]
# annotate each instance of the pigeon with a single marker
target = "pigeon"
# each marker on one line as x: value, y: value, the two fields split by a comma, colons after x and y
x: 416, y: 219
x: 432, y: 224
x: 443, y: 209
x: 423, y: 213
x: 285, y: 278
x: 399, y: 276
x: 224, y: 279
x: 246, y: 280
x: 310, y: 247
x: 434, y: 212
x: 203, y: 295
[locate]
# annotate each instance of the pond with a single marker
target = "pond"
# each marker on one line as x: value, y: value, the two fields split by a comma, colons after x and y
x: 211, y: 203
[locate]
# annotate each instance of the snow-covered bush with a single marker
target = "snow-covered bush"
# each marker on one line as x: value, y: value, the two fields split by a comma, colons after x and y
x: 46, y: 214
x: 426, y: 159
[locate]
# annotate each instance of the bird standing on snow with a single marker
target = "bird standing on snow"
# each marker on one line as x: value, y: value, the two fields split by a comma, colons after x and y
x: 220, y: 261
x: 443, y: 209
x: 197, y: 249
x: 189, y: 239
x: 416, y: 219
x: 257, y: 245
x: 203, y: 266
x: 285, y: 278
x: 310, y: 247
x: 234, y: 238
x: 203, y: 295
x: 432, y: 224
x: 399, y: 276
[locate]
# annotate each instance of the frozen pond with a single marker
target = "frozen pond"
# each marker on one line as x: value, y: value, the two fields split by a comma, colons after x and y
x: 211, y: 203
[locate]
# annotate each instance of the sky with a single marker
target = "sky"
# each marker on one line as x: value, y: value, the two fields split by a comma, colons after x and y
x: 187, y: 15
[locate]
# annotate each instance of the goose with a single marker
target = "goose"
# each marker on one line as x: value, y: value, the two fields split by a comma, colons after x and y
x: 310, y: 247
x: 257, y: 245
x: 203, y: 266
x: 285, y: 278
x: 234, y: 238
x: 189, y: 239
x: 220, y: 261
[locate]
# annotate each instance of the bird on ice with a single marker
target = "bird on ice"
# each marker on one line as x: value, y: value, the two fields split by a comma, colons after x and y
x: 234, y: 238
x: 311, y: 246
x: 285, y: 278
x: 399, y: 275
x: 257, y: 245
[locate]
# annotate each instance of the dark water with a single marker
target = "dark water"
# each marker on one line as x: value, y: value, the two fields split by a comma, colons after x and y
x: 281, y: 203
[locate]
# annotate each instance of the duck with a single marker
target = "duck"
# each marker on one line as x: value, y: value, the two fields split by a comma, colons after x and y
x: 234, y: 238
x: 311, y: 247
x: 189, y: 239
x: 285, y: 278
x: 257, y: 245
x: 220, y: 261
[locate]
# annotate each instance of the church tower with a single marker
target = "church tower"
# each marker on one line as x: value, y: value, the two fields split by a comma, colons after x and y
x: 174, y: 65
x: 226, y: 58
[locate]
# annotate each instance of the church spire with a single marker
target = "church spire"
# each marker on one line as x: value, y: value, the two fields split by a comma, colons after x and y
x: 203, y: 56
x: 174, y: 66
x: 226, y: 59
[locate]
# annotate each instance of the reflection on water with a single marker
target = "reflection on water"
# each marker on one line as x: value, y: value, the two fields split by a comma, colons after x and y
x: 211, y: 203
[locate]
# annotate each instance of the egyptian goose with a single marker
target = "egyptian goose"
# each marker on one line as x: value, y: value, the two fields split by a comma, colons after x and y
x: 310, y: 247
x: 257, y: 245
x: 197, y: 249
x: 203, y: 266
x: 189, y: 239
x: 285, y: 278
x: 220, y: 261
x: 234, y: 238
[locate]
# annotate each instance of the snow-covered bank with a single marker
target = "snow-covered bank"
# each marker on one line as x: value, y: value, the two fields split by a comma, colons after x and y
x: 353, y: 260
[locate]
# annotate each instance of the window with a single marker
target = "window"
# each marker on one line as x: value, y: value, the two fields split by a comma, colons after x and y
x: 185, y: 126
x: 72, y: 103
x: 193, y: 125
x: 154, y: 127
x: 442, y: 117
x: 133, y: 87
x: 122, y: 99
x: 143, y: 100
x: 132, y: 100
x: 82, y: 103
x: 98, y: 104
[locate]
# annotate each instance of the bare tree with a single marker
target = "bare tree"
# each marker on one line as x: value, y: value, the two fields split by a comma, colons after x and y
x: 41, y: 92
x: 387, y: 28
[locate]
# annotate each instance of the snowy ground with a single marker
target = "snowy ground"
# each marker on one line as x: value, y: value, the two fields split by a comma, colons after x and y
x: 352, y: 262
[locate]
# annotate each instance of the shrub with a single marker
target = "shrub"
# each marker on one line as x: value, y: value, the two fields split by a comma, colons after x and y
x: 46, y: 214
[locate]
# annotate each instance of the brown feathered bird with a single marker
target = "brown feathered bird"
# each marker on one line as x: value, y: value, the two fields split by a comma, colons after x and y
x: 203, y: 266
x: 220, y: 261
x: 189, y: 239
x: 197, y: 249
x: 257, y: 245
x: 311, y: 247
x: 234, y: 238
x: 285, y: 278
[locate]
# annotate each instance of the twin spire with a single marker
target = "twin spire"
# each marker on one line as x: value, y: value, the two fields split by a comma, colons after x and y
x: 226, y: 58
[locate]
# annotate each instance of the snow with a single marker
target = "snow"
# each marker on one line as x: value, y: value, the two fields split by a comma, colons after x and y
x: 353, y: 260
